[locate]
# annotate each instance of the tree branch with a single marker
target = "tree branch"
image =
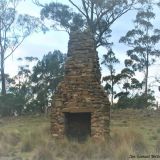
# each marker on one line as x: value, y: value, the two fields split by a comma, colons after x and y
x: 86, y: 11
x: 36, y: 2
x: 92, y: 10
x: 77, y: 8
x: 14, y: 49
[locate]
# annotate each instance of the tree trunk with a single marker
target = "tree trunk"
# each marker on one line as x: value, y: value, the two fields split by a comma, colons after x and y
x: 147, y: 65
x: 112, y: 85
x: 146, y: 74
x: 146, y: 82
x: 3, y: 92
x: 112, y: 93
x: 146, y: 79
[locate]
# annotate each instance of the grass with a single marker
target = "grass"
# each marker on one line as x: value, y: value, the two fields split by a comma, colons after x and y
x: 158, y: 130
x: 28, y: 138
x: 158, y: 147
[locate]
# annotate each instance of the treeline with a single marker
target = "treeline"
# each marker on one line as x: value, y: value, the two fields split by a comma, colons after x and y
x: 31, y: 90
x: 143, y: 52
x: 124, y: 87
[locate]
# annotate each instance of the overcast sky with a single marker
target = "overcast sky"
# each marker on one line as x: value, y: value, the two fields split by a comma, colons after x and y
x: 39, y: 44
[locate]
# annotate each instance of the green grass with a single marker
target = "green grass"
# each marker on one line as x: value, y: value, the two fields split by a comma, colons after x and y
x: 28, y: 138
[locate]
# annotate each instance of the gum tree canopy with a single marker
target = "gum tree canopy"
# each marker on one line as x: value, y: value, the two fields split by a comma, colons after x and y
x: 94, y: 15
x: 14, y: 28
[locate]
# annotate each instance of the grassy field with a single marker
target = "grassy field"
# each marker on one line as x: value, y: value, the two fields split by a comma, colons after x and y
x: 133, y: 133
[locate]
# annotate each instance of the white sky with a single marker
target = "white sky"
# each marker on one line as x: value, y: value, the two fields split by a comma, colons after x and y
x: 39, y: 44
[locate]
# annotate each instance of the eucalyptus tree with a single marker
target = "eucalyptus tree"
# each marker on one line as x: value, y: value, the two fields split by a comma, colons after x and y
x: 18, y: 89
x: 47, y: 74
x: 22, y: 83
x: 32, y: 90
x: 97, y: 16
x: 109, y: 60
x: 14, y: 29
x: 129, y: 84
x: 142, y: 41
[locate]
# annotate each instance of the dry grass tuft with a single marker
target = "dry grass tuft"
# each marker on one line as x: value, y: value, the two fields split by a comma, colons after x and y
x: 127, y: 142
x: 139, y: 146
x: 42, y: 153
x: 27, y: 145
x: 5, y: 149
x: 158, y: 130
x: 122, y: 154
x: 64, y: 150
x: 34, y: 138
x: 13, y: 138
x: 157, y: 147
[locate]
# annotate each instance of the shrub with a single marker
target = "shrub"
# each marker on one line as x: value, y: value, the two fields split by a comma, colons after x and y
x: 10, y: 103
x: 137, y: 101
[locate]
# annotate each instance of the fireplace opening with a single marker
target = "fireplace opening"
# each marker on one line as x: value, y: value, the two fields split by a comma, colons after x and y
x: 78, y: 126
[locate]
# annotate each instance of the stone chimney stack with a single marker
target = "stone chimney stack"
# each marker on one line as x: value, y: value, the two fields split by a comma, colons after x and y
x: 82, y: 58
x: 80, y: 106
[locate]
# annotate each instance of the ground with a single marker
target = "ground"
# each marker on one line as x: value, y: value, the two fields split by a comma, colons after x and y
x: 133, y: 133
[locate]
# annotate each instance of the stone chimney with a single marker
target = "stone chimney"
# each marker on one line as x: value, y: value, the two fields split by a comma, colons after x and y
x: 80, y: 106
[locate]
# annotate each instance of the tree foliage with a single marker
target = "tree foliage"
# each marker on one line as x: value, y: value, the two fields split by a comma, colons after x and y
x: 109, y: 60
x: 14, y: 28
x: 31, y: 91
x: 137, y: 101
x: 142, y: 41
x: 46, y: 75
x: 97, y: 16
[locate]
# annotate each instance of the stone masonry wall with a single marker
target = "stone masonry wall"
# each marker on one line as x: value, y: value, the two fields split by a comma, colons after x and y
x: 80, y: 91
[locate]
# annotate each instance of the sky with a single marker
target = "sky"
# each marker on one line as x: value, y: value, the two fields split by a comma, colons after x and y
x: 38, y: 44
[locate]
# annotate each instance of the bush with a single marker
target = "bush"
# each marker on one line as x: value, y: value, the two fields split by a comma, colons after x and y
x: 10, y: 104
x: 136, y: 102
